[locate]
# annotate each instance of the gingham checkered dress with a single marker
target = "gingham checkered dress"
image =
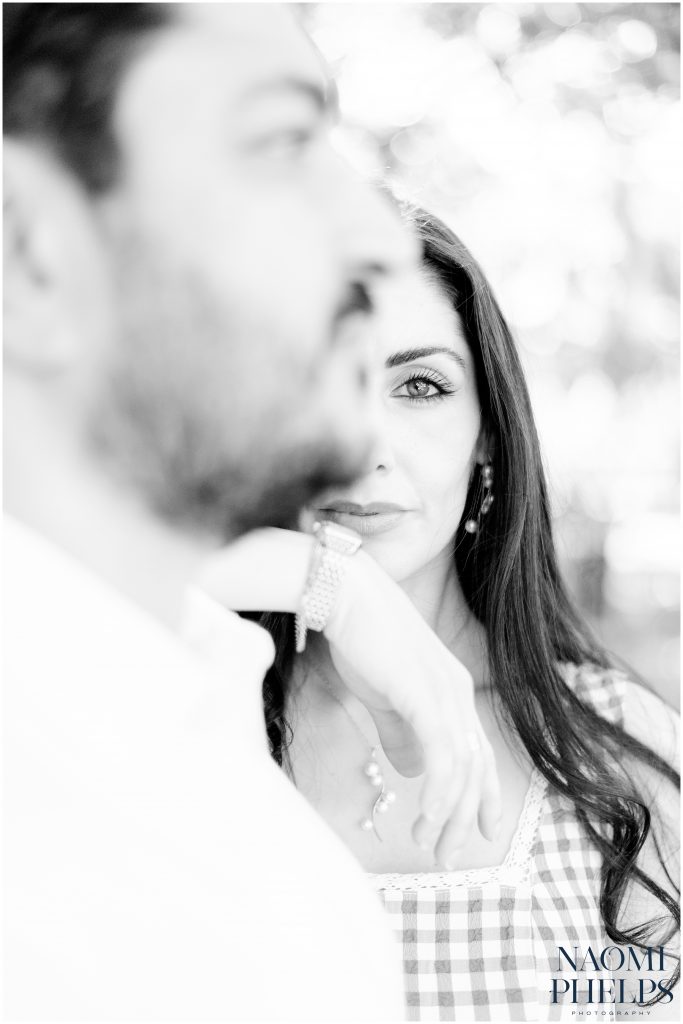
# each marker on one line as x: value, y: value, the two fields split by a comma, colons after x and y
x: 481, y: 944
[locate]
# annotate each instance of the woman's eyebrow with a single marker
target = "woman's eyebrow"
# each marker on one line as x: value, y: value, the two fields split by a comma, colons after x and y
x: 410, y: 354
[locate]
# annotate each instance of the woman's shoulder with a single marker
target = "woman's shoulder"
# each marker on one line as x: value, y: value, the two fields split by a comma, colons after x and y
x: 652, y: 721
x: 641, y: 712
x: 603, y: 688
x: 644, y: 715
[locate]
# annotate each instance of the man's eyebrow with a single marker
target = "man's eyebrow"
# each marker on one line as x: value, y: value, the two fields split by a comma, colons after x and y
x: 322, y: 92
x: 411, y: 354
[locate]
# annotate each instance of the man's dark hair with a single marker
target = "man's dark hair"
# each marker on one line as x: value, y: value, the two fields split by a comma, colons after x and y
x: 62, y: 65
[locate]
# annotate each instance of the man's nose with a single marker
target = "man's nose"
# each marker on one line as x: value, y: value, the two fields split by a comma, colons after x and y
x: 373, y: 239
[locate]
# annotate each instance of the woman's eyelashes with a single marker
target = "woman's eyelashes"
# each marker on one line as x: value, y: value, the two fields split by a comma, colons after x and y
x: 423, y: 386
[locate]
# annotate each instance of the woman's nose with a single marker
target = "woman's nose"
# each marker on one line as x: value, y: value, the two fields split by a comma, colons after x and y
x: 381, y: 458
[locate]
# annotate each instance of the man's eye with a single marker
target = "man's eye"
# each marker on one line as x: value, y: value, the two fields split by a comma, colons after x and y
x: 290, y: 142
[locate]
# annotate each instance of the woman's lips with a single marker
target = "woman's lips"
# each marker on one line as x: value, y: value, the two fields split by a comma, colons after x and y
x: 373, y: 508
x: 367, y: 520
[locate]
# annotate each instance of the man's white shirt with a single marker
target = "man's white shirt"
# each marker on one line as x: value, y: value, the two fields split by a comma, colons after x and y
x: 157, y: 863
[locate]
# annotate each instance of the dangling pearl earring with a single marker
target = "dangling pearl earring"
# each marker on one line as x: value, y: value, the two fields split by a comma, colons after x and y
x: 473, y: 525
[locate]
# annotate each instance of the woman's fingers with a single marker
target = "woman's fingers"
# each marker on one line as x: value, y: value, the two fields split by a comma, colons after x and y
x: 399, y: 742
x: 447, y: 762
x: 460, y: 825
x: 444, y: 822
x: 443, y: 773
x: 461, y: 787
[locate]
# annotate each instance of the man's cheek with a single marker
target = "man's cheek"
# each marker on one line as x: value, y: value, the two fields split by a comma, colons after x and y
x: 276, y: 240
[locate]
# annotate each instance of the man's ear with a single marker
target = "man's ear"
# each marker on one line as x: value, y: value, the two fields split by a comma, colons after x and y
x: 43, y: 218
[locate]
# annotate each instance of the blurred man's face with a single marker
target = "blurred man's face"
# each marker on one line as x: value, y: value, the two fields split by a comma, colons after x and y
x: 234, y: 386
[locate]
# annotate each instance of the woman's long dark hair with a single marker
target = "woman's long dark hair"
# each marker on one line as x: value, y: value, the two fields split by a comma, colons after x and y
x: 509, y: 576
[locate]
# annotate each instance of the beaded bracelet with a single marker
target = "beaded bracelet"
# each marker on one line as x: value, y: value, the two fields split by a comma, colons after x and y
x: 334, y: 545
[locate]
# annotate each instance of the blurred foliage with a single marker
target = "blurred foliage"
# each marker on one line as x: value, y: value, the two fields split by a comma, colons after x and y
x: 547, y: 136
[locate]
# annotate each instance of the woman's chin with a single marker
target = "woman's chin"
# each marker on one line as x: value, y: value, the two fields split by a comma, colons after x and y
x: 392, y: 561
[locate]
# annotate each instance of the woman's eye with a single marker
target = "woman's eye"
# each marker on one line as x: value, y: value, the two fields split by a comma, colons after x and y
x: 420, y: 388
x: 423, y: 388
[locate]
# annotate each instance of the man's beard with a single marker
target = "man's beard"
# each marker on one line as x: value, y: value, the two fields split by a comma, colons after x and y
x: 246, y: 499
x: 167, y: 418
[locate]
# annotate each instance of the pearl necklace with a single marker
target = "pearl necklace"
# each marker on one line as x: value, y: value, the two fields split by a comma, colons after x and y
x: 371, y: 769
x: 386, y: 796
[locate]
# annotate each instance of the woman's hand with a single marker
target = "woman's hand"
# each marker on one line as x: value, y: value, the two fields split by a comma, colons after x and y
x: 421, y: 699
x: 419, y: 695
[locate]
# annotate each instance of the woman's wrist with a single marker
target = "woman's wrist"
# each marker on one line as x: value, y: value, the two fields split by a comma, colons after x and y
x: 334, y: 549
x: 347, y: 598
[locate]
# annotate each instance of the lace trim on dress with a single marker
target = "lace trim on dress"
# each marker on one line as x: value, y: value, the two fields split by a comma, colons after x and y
x: 513, y: 870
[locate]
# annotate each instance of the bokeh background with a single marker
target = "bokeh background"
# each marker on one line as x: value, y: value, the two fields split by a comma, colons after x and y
x: 547, y: 136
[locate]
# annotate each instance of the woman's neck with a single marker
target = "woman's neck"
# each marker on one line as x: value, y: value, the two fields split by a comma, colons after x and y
x: 436, y: 593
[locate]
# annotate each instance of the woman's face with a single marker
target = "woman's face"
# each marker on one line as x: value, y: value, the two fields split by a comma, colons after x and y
x: 408, y: 506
